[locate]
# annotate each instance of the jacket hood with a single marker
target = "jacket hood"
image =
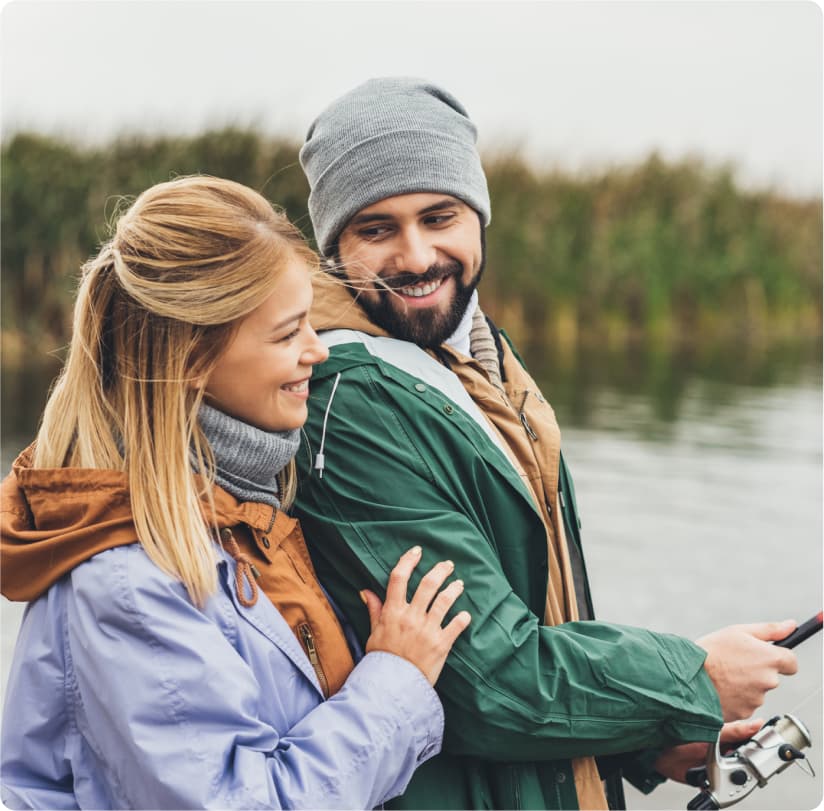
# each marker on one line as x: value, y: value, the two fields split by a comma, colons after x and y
x: 51, y: 520
x: 335, y: 308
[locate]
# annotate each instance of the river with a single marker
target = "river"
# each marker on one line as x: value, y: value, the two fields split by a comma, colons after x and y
x: 700, y: 488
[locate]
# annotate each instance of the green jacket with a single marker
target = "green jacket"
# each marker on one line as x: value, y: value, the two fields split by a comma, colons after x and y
x: 407, y: 460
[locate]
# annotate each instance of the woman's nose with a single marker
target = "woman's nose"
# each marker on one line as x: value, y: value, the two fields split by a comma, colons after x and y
x: 316, y: 351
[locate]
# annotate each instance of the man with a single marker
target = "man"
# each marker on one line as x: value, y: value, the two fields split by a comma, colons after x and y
x: 426, y: 429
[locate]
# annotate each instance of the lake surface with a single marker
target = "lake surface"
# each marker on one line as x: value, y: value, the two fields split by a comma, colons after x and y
x: 699, y: 480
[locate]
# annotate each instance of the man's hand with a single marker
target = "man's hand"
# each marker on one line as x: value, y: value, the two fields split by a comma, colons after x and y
x: 744, y: 665
x: 674, y: 762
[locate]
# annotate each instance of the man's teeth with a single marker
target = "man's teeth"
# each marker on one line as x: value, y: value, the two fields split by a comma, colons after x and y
x: 299, y: 387
x: 417, y: 290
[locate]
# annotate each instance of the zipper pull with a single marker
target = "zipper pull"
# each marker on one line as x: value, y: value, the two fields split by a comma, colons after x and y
x: 527, y: 426
x: 314, y: 659
x: 524, y: 421
x: 309, y: 641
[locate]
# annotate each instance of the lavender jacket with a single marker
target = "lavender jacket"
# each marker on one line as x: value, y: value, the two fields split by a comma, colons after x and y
x: 122, y: 694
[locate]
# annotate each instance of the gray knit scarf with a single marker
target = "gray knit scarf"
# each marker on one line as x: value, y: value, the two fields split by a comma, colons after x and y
x: 248, y: 459
x: 484, y: 349
x: 474, y: 337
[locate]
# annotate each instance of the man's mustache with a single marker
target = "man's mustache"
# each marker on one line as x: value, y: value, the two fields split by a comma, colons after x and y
x: 407, y: 278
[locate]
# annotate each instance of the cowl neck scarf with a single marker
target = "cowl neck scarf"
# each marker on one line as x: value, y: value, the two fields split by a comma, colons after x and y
x: 248, y: 459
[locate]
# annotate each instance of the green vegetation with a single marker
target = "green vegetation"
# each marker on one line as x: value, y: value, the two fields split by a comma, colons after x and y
x: 662, y: 253
x: 668, y: 253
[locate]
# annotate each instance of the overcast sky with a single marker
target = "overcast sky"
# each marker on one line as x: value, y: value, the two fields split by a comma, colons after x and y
x: 575, y: 84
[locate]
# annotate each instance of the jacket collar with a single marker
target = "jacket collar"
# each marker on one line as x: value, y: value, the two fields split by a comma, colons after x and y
x: 334, y: 307
x: 51, y: 520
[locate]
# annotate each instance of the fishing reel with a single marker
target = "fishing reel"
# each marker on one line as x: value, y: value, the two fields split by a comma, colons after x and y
x: 727, y: 779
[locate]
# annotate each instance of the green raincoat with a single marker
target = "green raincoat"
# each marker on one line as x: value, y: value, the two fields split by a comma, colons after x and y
x: 396, y: 454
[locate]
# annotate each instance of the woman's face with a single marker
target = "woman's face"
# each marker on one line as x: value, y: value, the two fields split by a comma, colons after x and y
x: 262, y: 377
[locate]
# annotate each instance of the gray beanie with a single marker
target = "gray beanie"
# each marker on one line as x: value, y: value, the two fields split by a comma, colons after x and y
x: 386, y: 137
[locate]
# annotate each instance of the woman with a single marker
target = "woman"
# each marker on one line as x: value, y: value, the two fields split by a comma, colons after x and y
x: 148, y: 517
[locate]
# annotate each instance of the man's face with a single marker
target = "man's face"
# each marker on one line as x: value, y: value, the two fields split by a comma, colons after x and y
x: 413, y: 261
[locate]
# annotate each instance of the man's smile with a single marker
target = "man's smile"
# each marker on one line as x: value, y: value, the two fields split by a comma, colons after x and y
x: 423, y: 289
x: 426, y: 294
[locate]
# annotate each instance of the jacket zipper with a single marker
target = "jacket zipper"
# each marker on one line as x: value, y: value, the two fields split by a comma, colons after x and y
x: 531, y: 433
x: 527, y: 426
x: 312, y: 652
x: 524, y: 421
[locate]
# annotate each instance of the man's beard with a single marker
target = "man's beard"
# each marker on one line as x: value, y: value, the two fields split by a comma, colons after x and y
x: 428, y: 327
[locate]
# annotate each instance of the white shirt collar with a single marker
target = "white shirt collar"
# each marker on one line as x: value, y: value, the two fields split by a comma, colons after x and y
x: 459, y: 340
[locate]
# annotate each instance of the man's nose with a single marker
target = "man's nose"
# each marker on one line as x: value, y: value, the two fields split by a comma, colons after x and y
x: 416, y: 254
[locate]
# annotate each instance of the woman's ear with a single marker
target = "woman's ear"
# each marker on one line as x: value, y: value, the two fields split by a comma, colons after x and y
x: 196, y: 382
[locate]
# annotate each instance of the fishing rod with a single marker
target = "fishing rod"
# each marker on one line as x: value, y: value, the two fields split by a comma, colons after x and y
x: 804, y: 631
x: 726, y: 779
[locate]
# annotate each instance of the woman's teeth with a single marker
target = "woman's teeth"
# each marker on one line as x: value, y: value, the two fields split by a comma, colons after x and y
x: 298, y: 387
x: 418, y: 290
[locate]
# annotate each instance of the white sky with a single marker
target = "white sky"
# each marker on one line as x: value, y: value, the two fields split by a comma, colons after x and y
x: 575, y: 84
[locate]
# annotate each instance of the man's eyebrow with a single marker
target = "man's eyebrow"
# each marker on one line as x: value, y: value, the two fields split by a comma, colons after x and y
x: 360, y: 219
x: 447, y: 202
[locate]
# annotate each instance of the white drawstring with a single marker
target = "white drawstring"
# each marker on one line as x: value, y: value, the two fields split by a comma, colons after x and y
x: 320, y: 460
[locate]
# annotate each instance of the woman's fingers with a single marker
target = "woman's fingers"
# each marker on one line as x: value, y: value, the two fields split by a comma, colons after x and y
x: 430, y: 583
x: 457, y: 625
x: 414, y: 629
x: 445, y: 600
x: 373, y: 606
x: 399, y: 578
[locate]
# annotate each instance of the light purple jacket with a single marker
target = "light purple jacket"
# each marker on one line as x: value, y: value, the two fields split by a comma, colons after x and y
x: 122, y: 694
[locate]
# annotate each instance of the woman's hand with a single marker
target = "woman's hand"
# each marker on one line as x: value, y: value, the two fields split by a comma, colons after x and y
x: 413, y: 629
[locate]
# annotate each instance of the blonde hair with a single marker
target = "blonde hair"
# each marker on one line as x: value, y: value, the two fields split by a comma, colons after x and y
x: 154, y: 311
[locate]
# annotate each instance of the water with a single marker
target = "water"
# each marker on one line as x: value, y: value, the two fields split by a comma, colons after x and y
x: 719, y: 524
x: 700, y: 488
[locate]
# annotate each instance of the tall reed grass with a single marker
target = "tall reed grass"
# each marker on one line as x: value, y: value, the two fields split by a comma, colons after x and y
x: 656, y: 252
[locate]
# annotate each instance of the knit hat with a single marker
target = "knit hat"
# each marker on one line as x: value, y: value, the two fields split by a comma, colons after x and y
x: 386, y: 137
